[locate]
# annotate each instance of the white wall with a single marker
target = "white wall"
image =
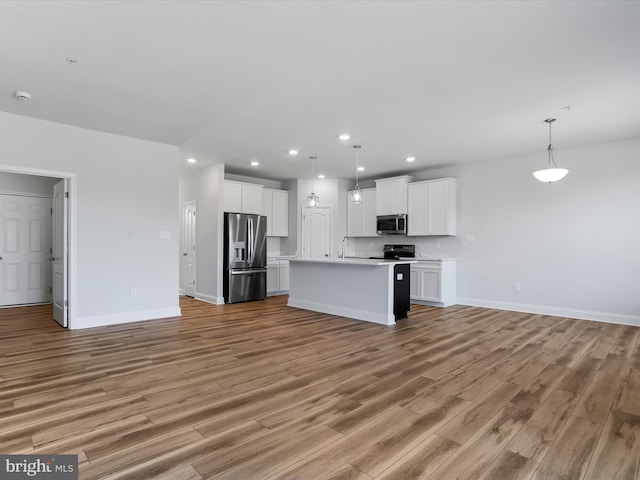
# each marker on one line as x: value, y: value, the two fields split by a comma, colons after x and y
x: 126, y: 194
x: 15, y: 183
x: 572, y: 245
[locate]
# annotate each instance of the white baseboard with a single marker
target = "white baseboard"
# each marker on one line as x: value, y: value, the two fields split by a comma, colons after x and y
x: 209, y: 298
x: 118, y: 318
x: 633, y: 320
x: 342, y: 311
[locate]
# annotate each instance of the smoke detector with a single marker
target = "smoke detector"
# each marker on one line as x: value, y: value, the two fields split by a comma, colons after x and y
x: 22, y: 95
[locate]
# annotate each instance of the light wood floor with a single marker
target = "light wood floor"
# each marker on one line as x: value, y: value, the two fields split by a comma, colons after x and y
x: 264, y: 391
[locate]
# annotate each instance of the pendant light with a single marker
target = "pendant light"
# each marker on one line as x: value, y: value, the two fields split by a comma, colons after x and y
x: 551, y: 172
x: 356, y: 194
x: 312, y: 200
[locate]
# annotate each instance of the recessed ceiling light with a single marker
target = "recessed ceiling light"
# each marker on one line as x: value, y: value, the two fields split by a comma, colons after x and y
x: 411, y: 159
x: 22, y: 95
x: 344, y: 136
x: 191, y: 160
x: 361, y: 169
x: 321, y: 175
x: 293, y: 151
x: 255, y: 164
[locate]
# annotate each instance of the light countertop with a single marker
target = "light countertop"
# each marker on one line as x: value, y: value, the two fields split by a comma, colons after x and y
x: 353, y: 261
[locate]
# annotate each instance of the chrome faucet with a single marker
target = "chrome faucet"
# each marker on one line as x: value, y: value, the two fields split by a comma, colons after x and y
x: 344, y: 239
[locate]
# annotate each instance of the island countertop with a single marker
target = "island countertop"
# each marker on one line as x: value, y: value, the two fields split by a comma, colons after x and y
x: 371, y: 262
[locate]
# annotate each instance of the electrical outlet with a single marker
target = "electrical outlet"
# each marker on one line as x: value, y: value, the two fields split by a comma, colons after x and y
x: 516, y: 287
x: 134, y: 292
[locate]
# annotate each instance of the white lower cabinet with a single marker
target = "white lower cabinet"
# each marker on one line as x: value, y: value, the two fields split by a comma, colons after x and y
x: 433, y: 282
x: 277, y: 277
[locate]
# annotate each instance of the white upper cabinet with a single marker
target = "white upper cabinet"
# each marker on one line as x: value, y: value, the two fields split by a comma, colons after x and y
x: 242, y: 197
x: 361, y: 217
x: 391, y: 195
x: 432, y: 207
x: 275, y: 206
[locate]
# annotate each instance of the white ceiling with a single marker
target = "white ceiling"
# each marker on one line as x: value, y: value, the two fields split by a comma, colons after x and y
x: 231, y: 81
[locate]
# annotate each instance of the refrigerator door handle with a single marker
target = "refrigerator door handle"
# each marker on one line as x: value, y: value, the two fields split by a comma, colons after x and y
x: 249, y: 241
x: 248, y: 272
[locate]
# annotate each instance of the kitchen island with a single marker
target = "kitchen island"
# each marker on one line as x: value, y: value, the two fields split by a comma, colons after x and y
x: 364, y: 289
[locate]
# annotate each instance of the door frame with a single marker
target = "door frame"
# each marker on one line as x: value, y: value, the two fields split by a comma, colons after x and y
x: 71, y: 230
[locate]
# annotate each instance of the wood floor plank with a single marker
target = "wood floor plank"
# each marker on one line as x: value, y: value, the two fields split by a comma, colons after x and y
x: 462, y: 427
x: 475, y: 456
x: 346, y: 472
x: 512, y: 466
x: 384, y: 453
x: 535, y: 438
x: 627, y: 398
x: 618, y: 451
x: 422, y: 460
x: 263, y: 390
x: 570, y: 453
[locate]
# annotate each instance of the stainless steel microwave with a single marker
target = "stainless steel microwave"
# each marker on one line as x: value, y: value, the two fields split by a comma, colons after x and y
x: 391, y: 224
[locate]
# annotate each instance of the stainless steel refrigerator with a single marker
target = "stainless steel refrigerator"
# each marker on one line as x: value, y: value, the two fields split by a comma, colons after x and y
x: 245, y: 257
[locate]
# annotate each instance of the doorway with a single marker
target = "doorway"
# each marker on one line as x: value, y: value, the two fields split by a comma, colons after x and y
x: 189, y: 248
x: 64, y: 282
x: 316, y: 232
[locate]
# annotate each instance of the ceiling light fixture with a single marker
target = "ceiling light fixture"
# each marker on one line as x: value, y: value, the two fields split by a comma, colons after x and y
x: 255, y: 164
x: 321, y: 176
x: 191, y: 160
x: 360, y: 169
x: 312, y: 200
x: 411, y: 159
x: 551, y: 172
x: 293, y: 152
x: 356, y: 194
x: 344, y: 136
x: 22, y: 95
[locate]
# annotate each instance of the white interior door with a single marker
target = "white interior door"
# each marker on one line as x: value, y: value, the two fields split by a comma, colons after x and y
x: 316, y: 232
x: 189, y: 248
x: 59, y: 252
x: 25, y: 235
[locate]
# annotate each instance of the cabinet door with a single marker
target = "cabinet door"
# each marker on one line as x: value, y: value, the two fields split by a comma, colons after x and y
x: 284, y: 276
x: 429, y: 284
x: 251, y: 198
x: 440, y: 211
x: 273, y: 279
x: 267, y: 209
x: 398, y: 196
x: 417, y: 209
x: 354, y: 217
x: 383, y: 197
x: 232, y: 197
x: 368, y: 213
x: 280, y: 213
x: 414, y: 284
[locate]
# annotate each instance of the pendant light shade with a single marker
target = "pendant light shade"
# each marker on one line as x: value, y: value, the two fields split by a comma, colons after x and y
x: 551, y: 172
x: 312, y: 199
x: 356, y: 194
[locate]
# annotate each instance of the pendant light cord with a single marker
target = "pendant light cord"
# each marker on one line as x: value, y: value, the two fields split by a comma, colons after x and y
x: 551, y: 163
x: 357, y: 148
